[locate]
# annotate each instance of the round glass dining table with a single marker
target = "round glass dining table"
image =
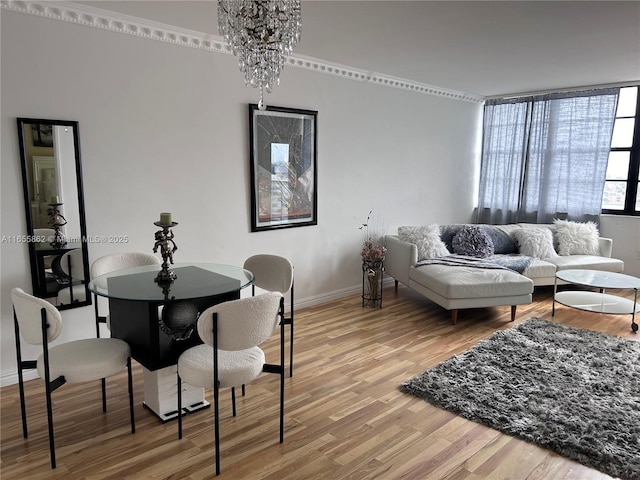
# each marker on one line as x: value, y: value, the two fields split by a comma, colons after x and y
x: 194, y: 281
x: 137, y: 307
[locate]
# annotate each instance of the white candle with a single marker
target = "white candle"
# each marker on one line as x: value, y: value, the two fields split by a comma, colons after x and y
x: 55, y: 199
x: 165, y: 218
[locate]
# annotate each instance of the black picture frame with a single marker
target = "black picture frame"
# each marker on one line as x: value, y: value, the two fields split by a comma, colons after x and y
x: 284, y: 167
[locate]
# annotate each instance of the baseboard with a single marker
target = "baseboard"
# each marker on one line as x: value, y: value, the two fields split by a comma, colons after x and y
x: 12, y: 377
x: 335, y: 295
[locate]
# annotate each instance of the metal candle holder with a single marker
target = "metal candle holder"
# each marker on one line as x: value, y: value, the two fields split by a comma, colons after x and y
x: 164, y: 240
x: 56, y: 220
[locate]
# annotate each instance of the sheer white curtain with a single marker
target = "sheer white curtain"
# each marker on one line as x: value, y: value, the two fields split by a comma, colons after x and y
x: 545, y: 157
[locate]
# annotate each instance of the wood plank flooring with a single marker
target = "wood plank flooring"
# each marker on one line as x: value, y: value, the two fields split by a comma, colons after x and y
x: 344, y: 415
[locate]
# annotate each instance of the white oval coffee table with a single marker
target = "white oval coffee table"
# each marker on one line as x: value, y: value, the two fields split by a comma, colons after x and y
x: 599, y: 302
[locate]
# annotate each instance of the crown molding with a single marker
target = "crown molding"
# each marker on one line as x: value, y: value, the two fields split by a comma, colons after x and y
x: 129, y: 25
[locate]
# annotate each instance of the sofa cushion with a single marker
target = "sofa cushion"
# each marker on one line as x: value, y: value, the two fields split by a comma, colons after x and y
x: 469, y: 282
x: 503, y: 242
x: 426, y: 238
x: 535, y: 242
x: 589, y: 262
x: 541, y: 269
x: 472, y: 241
x: 576, y: 238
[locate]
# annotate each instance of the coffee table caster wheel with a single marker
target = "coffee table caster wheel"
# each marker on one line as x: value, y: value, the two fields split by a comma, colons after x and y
x: 634, y: 327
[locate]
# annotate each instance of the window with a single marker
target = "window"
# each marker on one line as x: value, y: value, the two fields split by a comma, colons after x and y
x: 622, y: 186
x: 546, y: 156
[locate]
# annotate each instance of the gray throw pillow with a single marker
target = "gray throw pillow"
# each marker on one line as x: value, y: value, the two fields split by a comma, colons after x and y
x: 472, y: 241
x: 447, y: 232
x: 503, y: 242
x: 426, y: 238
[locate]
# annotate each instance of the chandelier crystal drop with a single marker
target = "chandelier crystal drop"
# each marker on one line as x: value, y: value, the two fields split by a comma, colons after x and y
x: 261, y: 34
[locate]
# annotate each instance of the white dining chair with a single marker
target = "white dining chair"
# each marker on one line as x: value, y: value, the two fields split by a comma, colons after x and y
x: 38, y: 322
x: 232, y: 332
x: 111, y: 263
x: 274, y: 273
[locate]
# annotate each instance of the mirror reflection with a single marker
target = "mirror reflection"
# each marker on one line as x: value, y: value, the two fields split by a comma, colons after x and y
x: 54, y: 206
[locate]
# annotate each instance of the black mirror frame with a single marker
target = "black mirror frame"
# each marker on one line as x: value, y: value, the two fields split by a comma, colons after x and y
x: 35, y: 278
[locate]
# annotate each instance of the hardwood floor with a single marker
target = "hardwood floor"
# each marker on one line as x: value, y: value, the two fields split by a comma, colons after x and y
x: 344, y: 415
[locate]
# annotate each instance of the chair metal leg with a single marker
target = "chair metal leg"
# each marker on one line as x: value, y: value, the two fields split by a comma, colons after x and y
x: 216, y: 420
x: 216, y: 393
x: 52, y: 448
x: 104, y: 394
x: 291, y: 348
x: 179, y: 382
x: 291, y: 333
x: 131, y: 412
x: 96, y: 313
x: 233, y: 400
x: 48, y: 389
x: 282, y: 367
x: 23, y: 407
x: 289, y: 321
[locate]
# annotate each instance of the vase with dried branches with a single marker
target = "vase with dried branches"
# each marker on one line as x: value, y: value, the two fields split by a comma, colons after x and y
x: 372, y: 254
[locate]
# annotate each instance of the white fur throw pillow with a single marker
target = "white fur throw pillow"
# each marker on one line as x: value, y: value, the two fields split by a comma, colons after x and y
x: 426, y: 238
x: 575, y: 238
x: 535, y: 242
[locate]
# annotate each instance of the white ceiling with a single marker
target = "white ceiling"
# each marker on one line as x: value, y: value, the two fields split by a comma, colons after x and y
x: 484, y: 48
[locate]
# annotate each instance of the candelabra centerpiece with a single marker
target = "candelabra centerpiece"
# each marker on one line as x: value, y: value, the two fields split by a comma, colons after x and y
x: 56, y: 220
x: 261, y: 34
x: 164, y: 241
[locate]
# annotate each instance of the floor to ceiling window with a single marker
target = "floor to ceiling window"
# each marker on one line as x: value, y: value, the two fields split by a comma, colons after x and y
x: 622, y: 185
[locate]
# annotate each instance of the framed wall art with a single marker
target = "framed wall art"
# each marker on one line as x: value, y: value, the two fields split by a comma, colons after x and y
x: 283, y: 168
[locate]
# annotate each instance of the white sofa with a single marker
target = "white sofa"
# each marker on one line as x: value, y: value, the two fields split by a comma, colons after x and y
x: 459, y: 287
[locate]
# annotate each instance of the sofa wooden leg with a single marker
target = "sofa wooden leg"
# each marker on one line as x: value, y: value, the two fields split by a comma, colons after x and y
x: 513, y: 312
x: 454, y: 317
x: 396, y: 282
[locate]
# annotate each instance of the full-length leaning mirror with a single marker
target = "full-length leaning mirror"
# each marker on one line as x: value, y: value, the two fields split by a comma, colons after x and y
x: 54, y: 207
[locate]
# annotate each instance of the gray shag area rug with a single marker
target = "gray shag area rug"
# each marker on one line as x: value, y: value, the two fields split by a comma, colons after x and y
x: 570, y: 390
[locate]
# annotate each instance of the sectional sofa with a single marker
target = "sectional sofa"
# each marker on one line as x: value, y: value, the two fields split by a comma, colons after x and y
x: 471, y: 266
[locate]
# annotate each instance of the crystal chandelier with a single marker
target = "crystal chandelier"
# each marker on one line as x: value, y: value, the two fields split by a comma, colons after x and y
x: 261, y: 33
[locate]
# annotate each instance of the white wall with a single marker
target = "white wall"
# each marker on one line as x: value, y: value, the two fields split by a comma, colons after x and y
x: 165, y: 128
x: 625, y: 232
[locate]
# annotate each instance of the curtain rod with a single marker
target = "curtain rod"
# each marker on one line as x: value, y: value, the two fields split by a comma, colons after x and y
x: 632, y: 83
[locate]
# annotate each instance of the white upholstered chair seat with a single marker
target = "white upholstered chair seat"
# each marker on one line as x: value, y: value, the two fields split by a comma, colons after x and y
x: 86, y: 360
x: 195, y: 366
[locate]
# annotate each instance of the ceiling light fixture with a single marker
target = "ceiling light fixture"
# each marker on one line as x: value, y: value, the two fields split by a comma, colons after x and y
x: 261, y: 34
